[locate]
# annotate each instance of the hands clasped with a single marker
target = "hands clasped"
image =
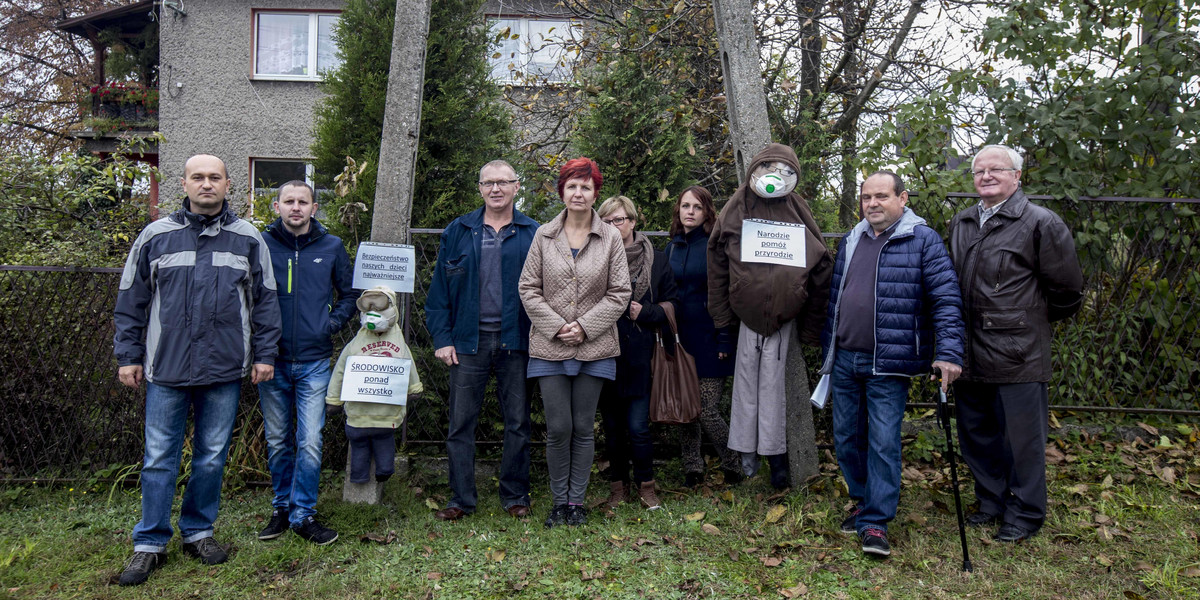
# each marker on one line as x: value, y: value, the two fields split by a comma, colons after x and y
x: 571, y: 334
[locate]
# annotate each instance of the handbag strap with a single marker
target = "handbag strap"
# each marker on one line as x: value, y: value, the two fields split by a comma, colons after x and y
x: 669, y: 310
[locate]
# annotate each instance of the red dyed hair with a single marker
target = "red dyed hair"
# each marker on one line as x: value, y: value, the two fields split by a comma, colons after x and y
x: 579, y: 168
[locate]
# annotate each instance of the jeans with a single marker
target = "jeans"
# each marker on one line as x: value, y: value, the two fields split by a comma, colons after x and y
x: 293, y: 408
x: 867, y: 413
x: 570, y: 404
x: 468, y: 381
x: 367, y: 444
x: 215, y: 407
x: 627, y: 434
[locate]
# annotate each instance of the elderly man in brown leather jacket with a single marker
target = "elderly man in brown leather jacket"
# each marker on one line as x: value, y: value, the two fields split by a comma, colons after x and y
x: 1018, y: 272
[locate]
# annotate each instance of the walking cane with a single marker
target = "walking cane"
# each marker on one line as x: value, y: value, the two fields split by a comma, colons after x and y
x: 943, y: 416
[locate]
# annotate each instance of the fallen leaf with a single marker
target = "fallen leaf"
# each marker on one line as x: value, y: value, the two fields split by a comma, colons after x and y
x: 387, y: 538
x: 1079, y: 488
x: 1104, y: 560
x: 1054, y: 456
x: 433, y: 576
x: 1150, y: 429
x: 776, y: 513
x: 1142, y: 565
x: 1189, y: 571
x: 585, y: 575
x: 431, y: 504
x: 710, y: 529
x: 1107, y: 483
x: 917, y: 519
x: 696, y: 516
x: 1132, y: 595
x: 733, y: 554
x: 495, y: 555
x: 1167, y: 475
x: 1103, y: 519
x: 727, y: 495
x: 794, y: 592
x: 771, y: 561
x: 1104, y: 534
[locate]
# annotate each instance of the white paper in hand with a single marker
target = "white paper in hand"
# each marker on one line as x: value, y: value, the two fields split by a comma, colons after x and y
x: 821, y: 394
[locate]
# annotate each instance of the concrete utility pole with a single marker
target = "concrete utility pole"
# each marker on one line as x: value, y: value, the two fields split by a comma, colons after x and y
x: 397, y: 159
x: 751, y: 131
x: 401, y: 123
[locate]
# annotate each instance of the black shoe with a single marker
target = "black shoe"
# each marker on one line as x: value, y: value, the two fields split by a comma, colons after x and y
x: 874, y: 541
x: 382, y: 477
x: 207, y: 551
x: 315, y: 532
x: 576, y: 515
x: 850, y: 523
x: 779, y: 471
x: 732, y: 476
x: 1013, y: 533
x: 558, y: 516
x: 139, y: 567
x: 276, y: 526
x: 979, y: 519
x: 693, y: 480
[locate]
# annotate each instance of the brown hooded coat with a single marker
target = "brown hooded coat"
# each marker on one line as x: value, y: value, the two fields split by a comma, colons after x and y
x: 764, y: 296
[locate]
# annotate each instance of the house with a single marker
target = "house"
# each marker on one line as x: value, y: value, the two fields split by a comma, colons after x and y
x: 239, y: 80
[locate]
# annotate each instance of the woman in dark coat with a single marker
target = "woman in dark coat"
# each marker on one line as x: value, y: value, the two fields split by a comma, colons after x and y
x: 712, y: 348
x: 625, y: 401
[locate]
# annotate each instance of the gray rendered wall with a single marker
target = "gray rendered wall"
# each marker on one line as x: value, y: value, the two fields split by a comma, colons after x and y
x: 220, y: 109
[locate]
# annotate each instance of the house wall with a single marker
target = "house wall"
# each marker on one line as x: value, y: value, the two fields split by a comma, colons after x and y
x: 210, y: 102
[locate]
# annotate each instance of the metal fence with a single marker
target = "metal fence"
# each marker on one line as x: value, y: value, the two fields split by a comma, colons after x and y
x: 1132, y: 348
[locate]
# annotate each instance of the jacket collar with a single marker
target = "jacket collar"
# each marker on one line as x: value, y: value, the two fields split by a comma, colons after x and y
x: 554, y: 227
x: 315, y: 232
x: 474, y: 219
x: 185, y: 216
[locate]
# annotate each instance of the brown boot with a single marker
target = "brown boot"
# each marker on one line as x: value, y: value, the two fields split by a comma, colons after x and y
x: 649, y: 498
x: 616, y: 495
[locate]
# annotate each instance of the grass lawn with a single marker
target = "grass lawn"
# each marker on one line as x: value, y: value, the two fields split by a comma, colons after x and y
x: 1124, y: 523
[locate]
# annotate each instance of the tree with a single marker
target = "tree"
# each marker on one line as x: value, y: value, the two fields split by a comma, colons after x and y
x: 462, y: 126
x: 42, y: 73
x: 637, y: 122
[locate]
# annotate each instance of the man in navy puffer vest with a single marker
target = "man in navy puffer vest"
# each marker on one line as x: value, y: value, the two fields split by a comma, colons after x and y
x: 895, y: 311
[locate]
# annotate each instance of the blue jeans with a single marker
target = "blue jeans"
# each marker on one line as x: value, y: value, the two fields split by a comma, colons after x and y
x: 627, y: 435
x: 294, y: 450
x: 215, y: 407
x: 468, y: 381
x: 867, y: 413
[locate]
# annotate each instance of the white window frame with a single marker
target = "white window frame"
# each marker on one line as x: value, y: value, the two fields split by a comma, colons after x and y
x: 256, y: 160
x: 313, y: 31
x: 563, y: 27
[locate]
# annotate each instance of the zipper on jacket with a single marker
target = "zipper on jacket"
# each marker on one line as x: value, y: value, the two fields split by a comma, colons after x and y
x: 289, y: 288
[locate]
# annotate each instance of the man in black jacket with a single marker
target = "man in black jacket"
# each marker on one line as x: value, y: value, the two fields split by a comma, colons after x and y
x: 1018, y: 272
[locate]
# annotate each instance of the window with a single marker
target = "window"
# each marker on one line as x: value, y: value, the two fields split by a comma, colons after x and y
x: 294, y: 45
x: 531, y: 51
x: 267, y: 174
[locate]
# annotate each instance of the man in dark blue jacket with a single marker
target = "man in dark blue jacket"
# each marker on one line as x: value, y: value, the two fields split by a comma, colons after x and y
x: 196, y: 312
x: 479, y: 326
x: 316, y: 300
x: 894, y: 307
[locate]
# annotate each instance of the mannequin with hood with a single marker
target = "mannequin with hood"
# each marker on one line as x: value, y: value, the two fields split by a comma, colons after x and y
x: 768, y: 301
x: 371, y: 426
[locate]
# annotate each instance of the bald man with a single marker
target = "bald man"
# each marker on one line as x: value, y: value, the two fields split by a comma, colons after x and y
x: 196, y: 312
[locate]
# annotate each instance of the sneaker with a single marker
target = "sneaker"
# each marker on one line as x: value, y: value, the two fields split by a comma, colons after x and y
x: 139, y: 567
x: 647, y: 495
x: 558, y: 516
x: 850, y: 523
x: 315, y: 532
x: 207, y: 551
x: 1014, y: 533
x: 980, y: 518
x: 276, y: 526
x: 874, y: 541
x: 576, y: 515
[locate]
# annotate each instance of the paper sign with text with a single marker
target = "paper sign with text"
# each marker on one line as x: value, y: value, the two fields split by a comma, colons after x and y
x: 393, y: 265
x: 773, y: 242
x: 380, y: 379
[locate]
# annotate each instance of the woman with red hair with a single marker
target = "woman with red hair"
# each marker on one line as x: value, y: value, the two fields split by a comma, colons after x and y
x: 575, y: 285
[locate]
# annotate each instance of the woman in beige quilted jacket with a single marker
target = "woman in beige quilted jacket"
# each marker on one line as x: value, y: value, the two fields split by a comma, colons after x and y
x: 575, y: 286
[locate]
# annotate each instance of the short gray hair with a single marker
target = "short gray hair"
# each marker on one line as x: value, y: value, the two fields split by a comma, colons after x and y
x: 1013, y: 156
x: 498, y: 163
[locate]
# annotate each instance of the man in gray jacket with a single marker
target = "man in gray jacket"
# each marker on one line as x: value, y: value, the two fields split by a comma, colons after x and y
x: 1018, y: 272
x: 196, y: 311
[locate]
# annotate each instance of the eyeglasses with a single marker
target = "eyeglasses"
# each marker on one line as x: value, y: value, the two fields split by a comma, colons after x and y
x: 487, y: 185
x: 617, y: 221
x: 986, y: 172
x: 782, y: 171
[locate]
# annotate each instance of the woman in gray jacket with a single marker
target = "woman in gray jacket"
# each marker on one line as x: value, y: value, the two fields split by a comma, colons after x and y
x: 575, y: 285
